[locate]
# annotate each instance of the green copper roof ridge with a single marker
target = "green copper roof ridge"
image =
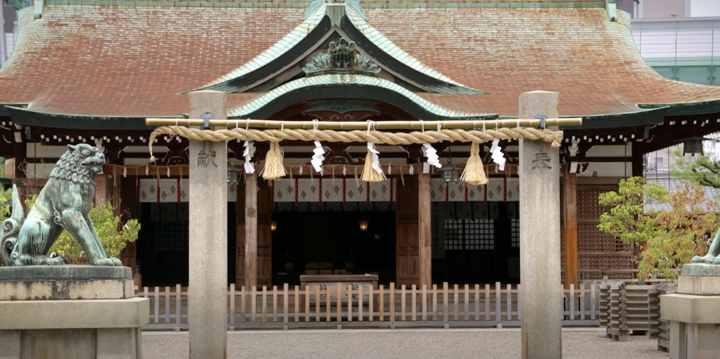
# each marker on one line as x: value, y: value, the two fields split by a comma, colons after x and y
x: 303, y: 4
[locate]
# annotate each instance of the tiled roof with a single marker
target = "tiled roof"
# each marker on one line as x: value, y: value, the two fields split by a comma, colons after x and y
x: 118, y: 60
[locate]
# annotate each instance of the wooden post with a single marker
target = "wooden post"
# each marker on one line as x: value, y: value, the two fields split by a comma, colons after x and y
x: 240, y: 236
x: 207, y: 289
x: 424, y: 231
x: 406, y: 229
x: 541, y: 286
x: 251, y: 232
x: 570, y: 229
x: 264, y: 232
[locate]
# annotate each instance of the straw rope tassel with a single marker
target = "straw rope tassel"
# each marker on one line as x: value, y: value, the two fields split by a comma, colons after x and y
x: 474, y: 173
x: 274, y: 167
x: 370, y: 174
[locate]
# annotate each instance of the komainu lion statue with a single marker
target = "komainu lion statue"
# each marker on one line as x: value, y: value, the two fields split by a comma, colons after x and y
x: 713, y: 254
x: 63, y: 204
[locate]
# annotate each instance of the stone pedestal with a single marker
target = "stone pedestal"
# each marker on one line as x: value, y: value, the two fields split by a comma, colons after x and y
x: 70, y: 312
x: 694, y: 313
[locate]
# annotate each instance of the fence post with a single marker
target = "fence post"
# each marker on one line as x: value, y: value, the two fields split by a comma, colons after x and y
x: 434, y: 302
x: 424, y: 302
x: 446, y: 306
x: 328, y: 299
x: 413, y: 302
x: 156, y: 304
x: 307, y: 303
x: 392, y: 305
x: 381, y: 301
x: 402, y: 302
x: 338, y: 304
x: 243, y: 293
x: 498, y: 305
x: 178, y: 306
x: 296, y: 303
x: 167, y: 304
x: 253, y: 303
x: 317, y: 304
x: 466, y: 303
x: 571, y: 301
x: 582, y: 301
x: 274, y: 303
x: 263, y: 302
x: 360, y: 303
x: 486, y: 303
x: 232, y: 306
x: 286, y: 289
x: 477, y: 302
x: 593, y: 303
x: 350, y: 301
x: 456, y: 302
x: 509, y: 302
x: 371, y: 301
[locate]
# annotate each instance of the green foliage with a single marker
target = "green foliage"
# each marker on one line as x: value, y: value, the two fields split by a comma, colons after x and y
x: 113, y: 235
x: 5, y: 202
x: 626, y: 218
x: 664, y: 239
x: 18, y: 4
x: 700, y: 170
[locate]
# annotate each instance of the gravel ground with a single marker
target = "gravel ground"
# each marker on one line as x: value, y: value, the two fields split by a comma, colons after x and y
x: 406, y: 343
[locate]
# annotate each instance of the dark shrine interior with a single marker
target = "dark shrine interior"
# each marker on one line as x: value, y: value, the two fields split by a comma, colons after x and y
x: 473, y: 242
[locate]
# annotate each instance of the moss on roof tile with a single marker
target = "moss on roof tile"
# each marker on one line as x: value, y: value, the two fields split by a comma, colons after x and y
x: 370, y: 4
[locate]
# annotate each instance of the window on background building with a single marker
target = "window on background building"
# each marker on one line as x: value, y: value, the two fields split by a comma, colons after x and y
x: 704, y: 8
x: 662, y: 9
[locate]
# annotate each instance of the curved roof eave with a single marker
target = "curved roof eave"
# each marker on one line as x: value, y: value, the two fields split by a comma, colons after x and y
x: 309, y: 35
x: 385, y: 45
x: 26, y: 117
x: 344, y: 85
x: 274, y: 52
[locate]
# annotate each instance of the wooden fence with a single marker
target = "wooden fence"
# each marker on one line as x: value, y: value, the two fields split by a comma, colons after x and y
x: 350, y: 306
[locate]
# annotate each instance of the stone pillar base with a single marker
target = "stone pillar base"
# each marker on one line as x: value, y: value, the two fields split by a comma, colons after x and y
x: 70, y: 312
x: 694, y: 313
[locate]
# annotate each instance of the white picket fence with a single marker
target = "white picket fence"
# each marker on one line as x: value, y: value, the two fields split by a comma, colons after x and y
x: 347, y: 306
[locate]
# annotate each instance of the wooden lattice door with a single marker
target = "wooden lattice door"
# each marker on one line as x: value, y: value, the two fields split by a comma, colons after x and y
x: 599, y: 254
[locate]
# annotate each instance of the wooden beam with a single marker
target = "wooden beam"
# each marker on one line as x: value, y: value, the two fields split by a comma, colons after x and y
x: 251, y: 232
x: 363, y: 125
x: 424, y: 231
x: 570, y: 229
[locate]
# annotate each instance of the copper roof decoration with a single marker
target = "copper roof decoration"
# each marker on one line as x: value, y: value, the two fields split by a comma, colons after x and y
x: 341, y: 56
x: 92, y: 61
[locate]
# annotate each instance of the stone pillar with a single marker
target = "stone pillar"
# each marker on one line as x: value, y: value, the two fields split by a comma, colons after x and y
x: 424, y: 231
x: 541, y: 287
x: 207, y: 288
x: 251, y: 230
x: 693, y: 313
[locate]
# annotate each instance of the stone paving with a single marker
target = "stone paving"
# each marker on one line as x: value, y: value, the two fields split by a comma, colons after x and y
x: 406, y: 343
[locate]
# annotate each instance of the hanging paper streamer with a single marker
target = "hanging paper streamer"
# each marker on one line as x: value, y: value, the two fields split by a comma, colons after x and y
x: 497, y: 155
x: 474, y: 173
x: 318, y: 157
x: 431, y: 154
x: 372, y: 172
x: 248, y: 154
x: 274, y: 167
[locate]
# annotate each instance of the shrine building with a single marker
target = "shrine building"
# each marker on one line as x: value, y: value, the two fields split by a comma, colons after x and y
x: 93, y: 71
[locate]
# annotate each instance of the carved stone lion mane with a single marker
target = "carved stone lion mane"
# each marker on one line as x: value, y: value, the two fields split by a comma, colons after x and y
x: 63, y: 204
